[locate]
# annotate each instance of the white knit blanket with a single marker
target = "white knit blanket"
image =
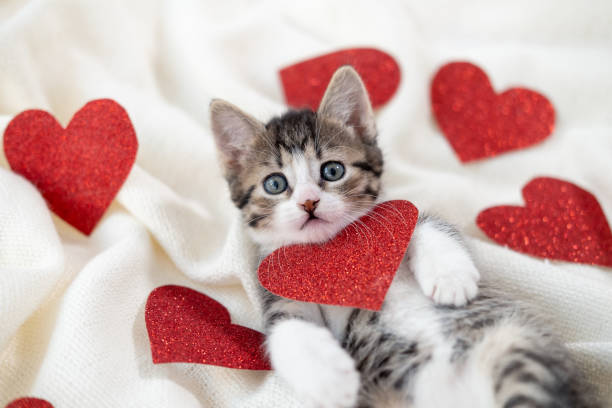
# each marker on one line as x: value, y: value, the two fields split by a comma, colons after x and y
x: 72, y: 327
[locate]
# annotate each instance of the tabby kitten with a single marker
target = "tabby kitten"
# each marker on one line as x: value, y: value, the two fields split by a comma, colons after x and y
x: 436, y: 342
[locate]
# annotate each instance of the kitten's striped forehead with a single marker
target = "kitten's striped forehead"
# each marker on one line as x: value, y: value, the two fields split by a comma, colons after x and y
x: 294, y: 132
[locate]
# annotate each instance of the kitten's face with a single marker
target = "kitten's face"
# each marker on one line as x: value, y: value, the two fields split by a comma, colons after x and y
x: 308, y: 178
x: 305, y: 176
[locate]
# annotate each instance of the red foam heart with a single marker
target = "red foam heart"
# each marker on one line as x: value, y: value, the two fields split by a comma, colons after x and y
x: 29, y: 403
x: 189, y: 327
x: 305, y: 82
x: 560, y: 221
x: 80, y: 169
x: 353, y: 269
x: 480, y: 123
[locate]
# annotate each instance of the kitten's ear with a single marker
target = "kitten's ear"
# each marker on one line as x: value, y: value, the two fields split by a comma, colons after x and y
x: 347, y: 101
x: 234, y: 131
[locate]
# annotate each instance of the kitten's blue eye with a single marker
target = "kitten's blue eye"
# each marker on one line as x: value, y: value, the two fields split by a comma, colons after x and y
x: 332, y: 171
x: 275, y: 183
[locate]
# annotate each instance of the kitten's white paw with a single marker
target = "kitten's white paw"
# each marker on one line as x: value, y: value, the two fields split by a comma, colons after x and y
x: 448, y: 279
x: 310, y: 359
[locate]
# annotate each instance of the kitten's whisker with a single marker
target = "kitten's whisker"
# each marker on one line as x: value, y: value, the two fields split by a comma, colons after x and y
x: 359, y: 209
x: 398, y: 212
x: 356, y: 215
x: 280, y: 264
x: 364, y: 195
x: 268, y: 271
x: 395, y: 210
x: 368, y: 203
x: 285, y: 254
x: 267, y: 207
x: 260, y: 217
x: 368, y: 231
x: 379, y: 218
x: 358, y: 228
x: 364, y: 225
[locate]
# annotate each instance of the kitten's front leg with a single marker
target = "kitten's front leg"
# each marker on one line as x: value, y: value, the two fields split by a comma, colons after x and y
x: 309, y: 358
x: 441, y: 263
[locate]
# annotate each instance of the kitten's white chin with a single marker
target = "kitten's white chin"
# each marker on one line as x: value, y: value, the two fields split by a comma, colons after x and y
x: 318, y: 230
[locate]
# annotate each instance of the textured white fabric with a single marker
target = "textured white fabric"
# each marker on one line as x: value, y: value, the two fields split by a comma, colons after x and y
x: 71, y: 307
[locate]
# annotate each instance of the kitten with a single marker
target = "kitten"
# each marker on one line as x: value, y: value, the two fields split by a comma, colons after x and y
x: 436, y: 342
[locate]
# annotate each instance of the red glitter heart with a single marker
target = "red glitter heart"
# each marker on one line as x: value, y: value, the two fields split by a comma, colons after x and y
x: 480, y: 123
x: 560, y: 221
x: 304, y: 83
x: 353, y: 269
x: 80, y: 169
x: 186, y: 326
x: 29, y: 403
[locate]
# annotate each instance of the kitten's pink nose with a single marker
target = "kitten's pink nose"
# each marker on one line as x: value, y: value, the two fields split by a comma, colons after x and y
x: 310, y: 205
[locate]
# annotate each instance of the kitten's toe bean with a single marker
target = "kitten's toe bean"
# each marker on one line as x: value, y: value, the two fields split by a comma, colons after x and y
x: 310, y: 359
